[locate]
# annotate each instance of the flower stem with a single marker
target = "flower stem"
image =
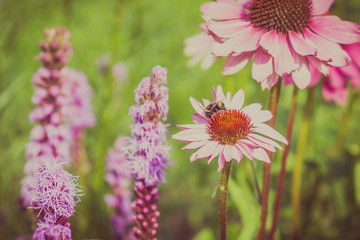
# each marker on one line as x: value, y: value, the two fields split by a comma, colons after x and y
x: 345, y: 124
x: 223, y: 199
x: 296, y: 186
x: 273, y: 106
x: 281, y: 178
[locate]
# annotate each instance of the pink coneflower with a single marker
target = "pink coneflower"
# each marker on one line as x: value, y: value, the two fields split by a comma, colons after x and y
x: 226, y: 129
x: 283, y: 37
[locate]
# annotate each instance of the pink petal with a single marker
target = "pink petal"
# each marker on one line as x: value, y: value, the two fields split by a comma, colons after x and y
x: 261, y: 116
x: 195, y: 145
x: 262, y: 67
x: 321, y: 6
x: 236, y: 153
x: 197, y: 118
x: 221, y: 161
x: 328, y: 50
x: 258, y: 138
x: 227, y: 29
x: 215, y: 153
x: 261, y: 155
x: 270, y: 81
x: 245, y: 150
x: 269, y: 132
x: 227, y: 153
x: 199, y: 108
x: 204, y: 151
x: 228, y: 99
x: 220, y: 97
x: 302, y: 75
x: 353, y: 73
x: 238, y: 100
x: 191, y: 126
x: 334, y: 29
x: 190, y: 135
x: 221, y: 10
x: 252, y: 109
x: 206, y: 102
x: 246, y: 40
x: 319, y: 65
x: 277, y: 46
x: 233, y: 64
x: 213, y: 91
x: 301, y: 45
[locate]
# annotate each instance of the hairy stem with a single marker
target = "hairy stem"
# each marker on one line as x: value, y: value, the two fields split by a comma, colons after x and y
x: 273, y: 106
x: 223, y: 199
x: 301, y: 147
x: 281, y: 178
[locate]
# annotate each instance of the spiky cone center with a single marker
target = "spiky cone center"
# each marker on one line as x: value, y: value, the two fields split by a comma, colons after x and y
x: 228, y: 127
x: 145, y: 212
x: 280, y: 15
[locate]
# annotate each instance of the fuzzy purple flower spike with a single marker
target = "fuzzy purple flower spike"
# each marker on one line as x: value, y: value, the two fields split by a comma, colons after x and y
x: 148, y: 156
x: 50, y: 136
x: 56, y: 193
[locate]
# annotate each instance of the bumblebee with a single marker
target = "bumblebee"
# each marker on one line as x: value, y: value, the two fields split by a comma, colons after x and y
x: 213, y: 108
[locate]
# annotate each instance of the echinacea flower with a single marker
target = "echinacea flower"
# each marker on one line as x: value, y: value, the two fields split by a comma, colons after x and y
x: 229, y: 132
x: 283, y: 37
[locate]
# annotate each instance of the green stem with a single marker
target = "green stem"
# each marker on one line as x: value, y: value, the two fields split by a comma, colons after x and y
x: 273, y: 106
x: 301, y: 147
x: 281, y: 178
x: 223, y: 199
x: 345, y: 124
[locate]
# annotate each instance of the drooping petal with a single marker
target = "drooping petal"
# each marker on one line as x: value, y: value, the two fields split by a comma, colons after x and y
x: 269, y: 132
x: 227, y: 153
x: 204, y: 151
x: 277, y: 46
x: 261, y: 155
x: 190, y: 135
x: 245, y: 150
x: 258, y: 139
x: 200, y: 119
x: 234, y: 64
x: 301, y: 45
x: 238, y: 100
x: 221, y: 10
x: 195, y: 145
x: 321, y: 6
x: 221, y: 161
x: 220, y: 97
x: 236, y: 154
x: 216, y: 152
x: 302, y: 75
x: 263, y: 66
x: 335, y: 29
x: 227, y: 29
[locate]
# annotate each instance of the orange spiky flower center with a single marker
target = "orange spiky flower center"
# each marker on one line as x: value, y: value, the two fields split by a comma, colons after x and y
x: 280, y: 15
x: 228, y: 127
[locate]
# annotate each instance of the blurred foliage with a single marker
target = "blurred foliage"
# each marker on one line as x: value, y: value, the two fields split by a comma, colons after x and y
x: 143, y: 34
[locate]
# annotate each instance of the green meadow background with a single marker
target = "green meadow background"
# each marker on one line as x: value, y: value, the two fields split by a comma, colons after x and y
x: 142, y: 34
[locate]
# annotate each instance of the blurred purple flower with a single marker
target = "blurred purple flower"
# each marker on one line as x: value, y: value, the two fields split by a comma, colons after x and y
x: 118, y: 177
x: 46, y: 231
x: 49, y: 136
x: 119, y: 71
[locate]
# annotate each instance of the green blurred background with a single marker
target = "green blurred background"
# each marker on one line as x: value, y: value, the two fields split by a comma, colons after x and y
x: 143, y: 34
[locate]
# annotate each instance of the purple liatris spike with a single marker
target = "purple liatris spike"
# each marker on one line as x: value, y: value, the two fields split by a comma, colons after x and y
x: 55, y: 192
x: 147, y: 154
x: 118, y: 176
x: 146, y: 212
x: 46, y: 231
x: 50, y: 136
